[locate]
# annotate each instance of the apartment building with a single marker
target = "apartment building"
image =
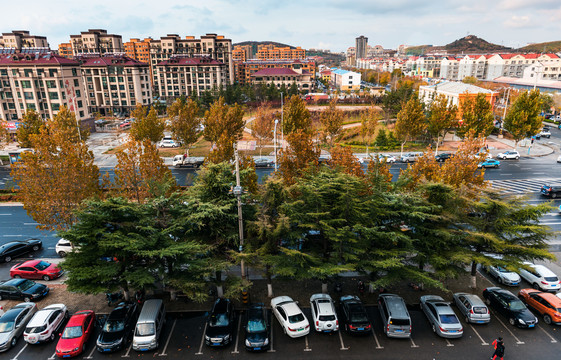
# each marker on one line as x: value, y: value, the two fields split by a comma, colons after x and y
x: 473, y: 65
x: 43, y: 82
x: 361, y: 46
x: 449, y: 68
x: 272, y: 52
x: 244, y: 70
x: 284, y: 76
x: 217, y: 47
x: 115, y: 84
x: 350, y: 56
x: 242, y: 52
x: 21, y: 39
x: 345, y: 80
x: 186, y: 75
x: 138, y: 49
x: 96, y: 41
x: 513, y: 65
x: 65, y: 50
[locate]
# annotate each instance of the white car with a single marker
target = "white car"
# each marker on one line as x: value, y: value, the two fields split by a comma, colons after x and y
x: 168, y: 143
x: 503, y: 275
x: 510, y: 154
x: 63, y: 247
x: 540, y: 277
x: 389, y: 158
x: 292, y: 320
x: 324, y: 315
x: 45, y: 324
x: 545, y: 133
x: 559, y: 159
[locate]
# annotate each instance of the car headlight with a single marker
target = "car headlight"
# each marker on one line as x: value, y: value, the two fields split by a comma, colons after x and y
x: 266, y: 342
x: 227, y: 337
x: 207, y: 337
x: 153, y: 342
x: 76, y: 349
x: 521, y: 321
x: 247, y: 343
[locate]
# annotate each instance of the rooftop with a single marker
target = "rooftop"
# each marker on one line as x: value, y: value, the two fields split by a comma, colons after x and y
x: 35, y: 59
x: 458, y: 87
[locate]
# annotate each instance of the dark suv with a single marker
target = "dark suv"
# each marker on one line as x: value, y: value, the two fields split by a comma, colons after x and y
x: 354, y: 316
x: 220, y: 324
x: 551, y: 191
x: 443, y: 157
x: 22, y: 289
x: 117, y: 328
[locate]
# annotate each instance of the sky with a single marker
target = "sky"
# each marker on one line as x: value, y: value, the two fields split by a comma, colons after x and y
x: 325, y: 24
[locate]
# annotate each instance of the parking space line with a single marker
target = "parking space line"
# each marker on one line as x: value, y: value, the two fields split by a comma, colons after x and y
x: 483, y: 342
x: 202, y: 341
x: 128, y: 351
x: 507, y: 329
x: 271, y: 349
x: 377, y: 342
x: 413, y: 345
x: 90, y: 356
x: 169, y: 337
x: 52, y: 356
x: 237, y: 338
x: 18, y: 354
x: 448, y: 343
x: 548, y: 334
x: 307, y: 347
x: 342, y: 343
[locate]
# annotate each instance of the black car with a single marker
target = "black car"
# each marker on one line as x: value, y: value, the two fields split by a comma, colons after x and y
x: 443, y: 157
x: 22, y: 289
x: 510, y: 306
x: 256, y: 328
x: 551, y: 191
x: 220, y: 323
x: 117, y: 328
x: 263, y: 163
x: 353, y: 315
x: 14, y: 249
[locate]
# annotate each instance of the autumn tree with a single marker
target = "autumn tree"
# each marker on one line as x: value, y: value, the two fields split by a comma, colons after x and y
x: 31, y: 123
x: 477, y: 115
x: 140, y: 172
x: 411, y: 121
x: 523, y: 118
x: 4, y: 136
x: 442, y: 117
x: 368, y: 121
x: 224, y: 126
x: 331, y: 120
x: 58, y: 175
x: 66, y: 125
x: 296, y: 116
x: 263, y: 126
x: 300, y: 154
x: 342, y: 158
x: 184, y: 121
x: 147, y: 127
x: 378, y: 175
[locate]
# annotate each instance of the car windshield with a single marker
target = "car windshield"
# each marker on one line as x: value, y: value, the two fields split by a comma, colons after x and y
x: 72, y: 332
x: 6, y: 326
x: 358, y: 317
x: 516, y: 305
x: 42, y: 265
x: 293, y: 319
x: 145, y: 329
x: 219, y: 320
x: 25, y: 285
x: 502, y: 269
x: 254, y: 326
x: 449, y: 319
x: 36, y: 330
x: 551, y: 279
x: 114, y: 326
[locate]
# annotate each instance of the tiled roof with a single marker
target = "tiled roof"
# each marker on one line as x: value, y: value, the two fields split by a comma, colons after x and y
x: 39, y: 59
x: 190, y: 61
x: 458, y: 87
x: 111, y: 61
x: 275, y: 72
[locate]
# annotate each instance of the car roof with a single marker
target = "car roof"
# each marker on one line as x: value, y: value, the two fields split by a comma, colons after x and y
x: 349, y: 299
x: 291, y: 308
x: 30, y: 263
x: 474, y: 299
x: 119, y: 312
x: 443, y: 308
x: 41, y: 317
x: 11, y: 314
x: 550, y: 298
x: 14, y: 282
x: 79, y: 318
x: 502, y: 292
x: 543, y: 270
x: 221, y: 305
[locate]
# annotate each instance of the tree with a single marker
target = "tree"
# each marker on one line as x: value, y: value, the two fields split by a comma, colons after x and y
x: 147, y: 127
x: 523, y: 118
x: 58, y: 175
x: 293, y: 89
x: 331, y: 120
x: 299, y: 156
x: 393, y: 101
x: 263, y: 126
x: 184, y: 121
x: 224, y: 126
x: 368, y: 122
x: 378, y: 175
x: 470, y: 80
x: 296, y: 116
x: 343, y: 160
x: 547, y: 102
x: 441, y: 118
x: 477, y: 115
x: 141, y: 173
x: 31, y: 123
x: 411, y: 121
x: 4, y: 136
x: 66, y: 126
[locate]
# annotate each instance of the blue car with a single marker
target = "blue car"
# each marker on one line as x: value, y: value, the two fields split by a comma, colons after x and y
x: 489, y: 163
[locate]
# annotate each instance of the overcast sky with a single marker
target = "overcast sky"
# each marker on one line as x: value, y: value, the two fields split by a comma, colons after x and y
x: 326, y: 24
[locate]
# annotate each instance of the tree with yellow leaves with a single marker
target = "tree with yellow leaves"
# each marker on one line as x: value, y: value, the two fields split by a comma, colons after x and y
x: 263, y: 126
x: 185, y: 121
x: 411, y: 121
x: 224, y: 126
x: 147, y: 127
x: 331, y: 120
x: 299, y: 156
x: 342, y: 158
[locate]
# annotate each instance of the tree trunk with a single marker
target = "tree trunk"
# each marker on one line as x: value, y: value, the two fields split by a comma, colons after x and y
x: 324, y: 287
x: 402, y: 144
x: 269, y: 281
x: 473, y: 275
x: 437, y: 142
x: 270, y: 290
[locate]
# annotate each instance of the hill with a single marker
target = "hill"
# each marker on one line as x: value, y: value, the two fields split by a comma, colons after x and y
x: 255, y: 43
x: 465, y: 45
x: 548, y: 47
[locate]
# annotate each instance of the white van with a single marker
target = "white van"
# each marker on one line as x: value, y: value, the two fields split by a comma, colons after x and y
x: 149, y: 326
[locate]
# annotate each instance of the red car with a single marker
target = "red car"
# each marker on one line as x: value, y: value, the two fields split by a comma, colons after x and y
x: 36, y: 269
x: 73, y: 340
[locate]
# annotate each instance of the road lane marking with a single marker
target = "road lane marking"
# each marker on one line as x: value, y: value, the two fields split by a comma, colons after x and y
x: 483, y: 342
x: 12, y: 235
x: 342, y: 343
x: 504, y: 174
x: 377, y: 342
x: 5, y: 214
x: 90, y: 356
x: 169, y: 337
x: 507, y: 329
x: 448, y: 343
x: 539, y: 173
x: 413, y: 345
x: 237, y: 338
x: 18, y: 354
x: 307, y: 347
x: 128, y: 351
x: 548, y: 334
x: 34, y: 224
x: 52, y: 356
x: 202, y: 341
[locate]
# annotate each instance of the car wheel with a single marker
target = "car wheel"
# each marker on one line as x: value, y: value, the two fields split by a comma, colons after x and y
x: 14, y: 341
x: 7, y: 259
x: 499, y: 280
x: 35, y: 247
x: 17, y: 277
x: 84, y: 348
x: 496, y: 166
x: 61, y: 253
x: 467, y: 319
x: 52, y: 337
x: 547, y: 319
x: 27, y: 299
x: 46, y: 278
x: 535, y: 286
x: 553, y: 195
x: 433, y: 328
x: 488, y: 302
x: 511, y: 321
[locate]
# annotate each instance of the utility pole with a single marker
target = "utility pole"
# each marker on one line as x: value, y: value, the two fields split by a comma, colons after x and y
x: 275, y: 143
x: 238, y: 191
x: 504, y: 113
x: 282, y: 122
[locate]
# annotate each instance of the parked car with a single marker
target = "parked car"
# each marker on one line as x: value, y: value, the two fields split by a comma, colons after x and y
x: 45, y: 324
x: 324, y: 316
x: 559, y: 159
x: 540, y: 277
x: 63, y: 247
x: 168, y: 143
x: 411, y: 157
x: 22, y: 289
x: 545, y: 133
x: 472, y: 307
x: 509, y: 154
x: 117, y: 328
x: 354, y: 316
x: 551, y: 191
x: 545, y: 303
x: 13, y: 322
x: 489, y: 163
x: 292, y: 320
x: 503, y: 276
x: 75, y: 336
x: 443, y: 157
x: 396, y: 321
x: 220, y: 323
x: 386, y: 158
x: 14, y: 249
x: 256, y: 328
x: 510, y: 306
x: 263, y: 163
x: 442, y: 318
x: 149, y: 326
x: 36, y: 269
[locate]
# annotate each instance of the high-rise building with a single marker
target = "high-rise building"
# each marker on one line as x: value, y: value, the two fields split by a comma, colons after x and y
x: 245, y: 70
x: 138, y: 49
x: 273, y: 52
x: 65, y: 50
x: 361, y: 47
x: 96, y: 41
x: 20, y: 39
x: 242, y: 52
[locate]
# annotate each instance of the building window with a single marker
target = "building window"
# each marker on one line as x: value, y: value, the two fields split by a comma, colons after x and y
x: 26, y: 84
x: 53, y: 95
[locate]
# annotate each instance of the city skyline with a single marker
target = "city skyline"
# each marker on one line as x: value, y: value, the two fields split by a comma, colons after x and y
x: 334, y: 25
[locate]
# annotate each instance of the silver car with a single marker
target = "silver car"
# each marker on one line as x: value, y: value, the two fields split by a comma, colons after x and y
x: 442, y: 318
x: 472, y: 307
x: 13, y: 322
x: 503, y: 276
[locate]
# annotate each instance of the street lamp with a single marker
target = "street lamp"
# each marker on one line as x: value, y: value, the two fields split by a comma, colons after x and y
x: 275, y: 142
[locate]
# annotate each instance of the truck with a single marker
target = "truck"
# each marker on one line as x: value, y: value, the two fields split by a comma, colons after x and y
x: 316, y: 97
x: 184, y: 160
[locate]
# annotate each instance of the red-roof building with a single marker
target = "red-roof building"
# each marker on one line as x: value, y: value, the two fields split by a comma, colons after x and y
x: 244, y: 70
x: 284, y: 76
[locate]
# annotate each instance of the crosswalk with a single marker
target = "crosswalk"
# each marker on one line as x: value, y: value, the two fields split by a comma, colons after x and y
x: 522, y: 186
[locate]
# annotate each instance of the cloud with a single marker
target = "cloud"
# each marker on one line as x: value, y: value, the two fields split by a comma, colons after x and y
x: 518, y: 22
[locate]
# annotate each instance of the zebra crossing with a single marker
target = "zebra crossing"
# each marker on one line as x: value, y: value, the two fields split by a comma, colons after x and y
x: 522, y: 186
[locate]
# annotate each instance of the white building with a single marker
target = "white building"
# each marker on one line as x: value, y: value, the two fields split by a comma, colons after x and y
x: 454, y: 91
x: 345, y: 80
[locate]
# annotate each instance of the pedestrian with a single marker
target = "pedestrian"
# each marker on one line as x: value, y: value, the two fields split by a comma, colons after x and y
x: 499, y: 349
